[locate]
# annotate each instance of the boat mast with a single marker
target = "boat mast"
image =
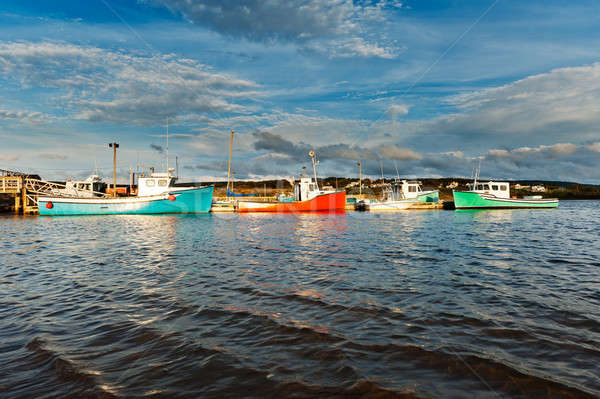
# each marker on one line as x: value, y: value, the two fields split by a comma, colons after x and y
x: 312, y: 156
x: 167, y: 149
x: 477, y: 174
x: 359, y: 178
x: 229, y: 182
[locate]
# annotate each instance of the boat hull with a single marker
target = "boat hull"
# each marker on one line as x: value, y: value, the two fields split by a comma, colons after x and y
x: 325, y: 202
x: 429, y: 196
x: 184, y: 200
x: 470, y: 200
x: 390, y: 205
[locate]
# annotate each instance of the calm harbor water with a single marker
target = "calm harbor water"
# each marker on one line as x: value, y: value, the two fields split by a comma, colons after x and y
x: 430, y: 304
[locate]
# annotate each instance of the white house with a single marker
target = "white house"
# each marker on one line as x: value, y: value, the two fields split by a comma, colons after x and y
x: 538, y: 189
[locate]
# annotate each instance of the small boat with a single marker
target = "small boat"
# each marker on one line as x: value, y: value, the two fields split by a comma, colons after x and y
x: 496, y: 195
x: 156, y: 194
x: 393, y: 199
x: 308, y: 197
x: 412, y: 190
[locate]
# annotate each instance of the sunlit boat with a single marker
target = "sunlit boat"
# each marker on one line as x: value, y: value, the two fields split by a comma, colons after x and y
x: 308, y: 197
x: 397, y: 196
x: 494, y: 194
x: 156, y: 194
x: 412, y: 190
x: 392, y: 200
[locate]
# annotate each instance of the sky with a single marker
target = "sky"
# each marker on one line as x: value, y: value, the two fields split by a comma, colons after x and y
x: 412, y: 88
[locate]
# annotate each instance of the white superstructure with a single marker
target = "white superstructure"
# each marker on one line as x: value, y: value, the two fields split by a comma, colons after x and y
x: 155, y: 183
x: 497, y: 189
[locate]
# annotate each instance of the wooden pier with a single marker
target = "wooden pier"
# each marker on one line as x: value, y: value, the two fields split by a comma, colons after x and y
x: 19, y: 191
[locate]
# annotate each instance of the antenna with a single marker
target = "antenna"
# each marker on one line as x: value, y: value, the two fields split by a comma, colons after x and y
x: 381, y: 167
x: 477, y: 171
x: 229, y: 178
x: 311, y: 154
x: 396, y: 166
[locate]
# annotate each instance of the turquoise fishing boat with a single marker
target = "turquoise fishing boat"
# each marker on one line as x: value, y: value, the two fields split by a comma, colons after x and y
x: 156, y: 195
x: 496, y: 195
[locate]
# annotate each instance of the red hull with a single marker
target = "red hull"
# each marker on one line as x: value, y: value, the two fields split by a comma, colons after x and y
x: 325, y: 202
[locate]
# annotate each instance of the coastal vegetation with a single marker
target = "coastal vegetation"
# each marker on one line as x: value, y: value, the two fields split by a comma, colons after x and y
x: 555, y: 189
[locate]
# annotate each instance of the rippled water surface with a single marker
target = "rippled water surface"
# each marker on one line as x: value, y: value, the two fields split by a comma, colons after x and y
x: 446, y: 304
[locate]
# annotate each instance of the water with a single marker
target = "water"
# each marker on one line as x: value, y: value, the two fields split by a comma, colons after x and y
x: 427, y: 304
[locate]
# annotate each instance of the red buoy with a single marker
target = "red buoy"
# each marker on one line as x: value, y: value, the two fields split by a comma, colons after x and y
x: 49, y: 205
x: 172, y: 197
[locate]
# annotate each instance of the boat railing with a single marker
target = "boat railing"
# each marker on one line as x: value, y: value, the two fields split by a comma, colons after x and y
x: 42, y: 187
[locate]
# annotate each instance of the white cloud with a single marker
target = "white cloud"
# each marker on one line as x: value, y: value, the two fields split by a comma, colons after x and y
x: 395, y: 110
x: 26, y: 117
x: 594, y: 146
x: 102, y: 85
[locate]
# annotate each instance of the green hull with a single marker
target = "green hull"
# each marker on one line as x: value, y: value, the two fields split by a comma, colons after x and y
x: 431, y: 196
x: 470, y: 200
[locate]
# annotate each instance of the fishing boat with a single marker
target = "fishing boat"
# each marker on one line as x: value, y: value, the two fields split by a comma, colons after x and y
x: 496, y: 195
x: 393, y: 199
x: 156, y: 194
x: 412, y: 190
x: 308, y: 197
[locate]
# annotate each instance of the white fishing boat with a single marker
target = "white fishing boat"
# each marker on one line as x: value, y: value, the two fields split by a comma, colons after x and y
x: 392, y: 199
x: 413, y: 190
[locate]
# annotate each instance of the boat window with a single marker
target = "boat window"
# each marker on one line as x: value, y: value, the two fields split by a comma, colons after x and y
x: 495, y: 188
x: 162, y: 183
x: 412, y: 189
x: 480, y: 187
x: 150, y: 183
x: 311, y: 187
x: 503, y: 188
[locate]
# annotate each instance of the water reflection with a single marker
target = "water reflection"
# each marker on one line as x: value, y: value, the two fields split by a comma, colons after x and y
x: 303, y: 305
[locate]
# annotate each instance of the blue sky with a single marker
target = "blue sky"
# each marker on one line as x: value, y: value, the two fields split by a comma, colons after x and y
x: 429, y: 86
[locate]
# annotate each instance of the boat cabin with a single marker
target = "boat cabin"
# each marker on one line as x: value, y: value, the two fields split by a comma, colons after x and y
x: 411, y: 189
x: 155, y: 183
x: 306, y: 189
x: 498, y: 189
x: 93, y: 186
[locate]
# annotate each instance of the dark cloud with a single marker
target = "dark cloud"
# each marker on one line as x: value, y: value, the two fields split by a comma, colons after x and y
x: 299, y: 152
x: 157, y: 148
x: 340, y: 27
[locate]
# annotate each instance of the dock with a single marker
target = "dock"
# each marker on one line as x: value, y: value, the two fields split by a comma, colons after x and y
x: 19, y: 191
x: 14, y: 193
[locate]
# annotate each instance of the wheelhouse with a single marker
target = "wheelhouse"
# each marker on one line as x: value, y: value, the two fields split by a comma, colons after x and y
x: 498, y: 189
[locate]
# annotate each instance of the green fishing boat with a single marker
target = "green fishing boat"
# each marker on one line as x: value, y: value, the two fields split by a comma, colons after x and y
x: 496, y: 195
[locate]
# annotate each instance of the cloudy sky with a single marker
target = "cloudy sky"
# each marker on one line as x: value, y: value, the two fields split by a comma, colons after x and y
x: 426, y: 87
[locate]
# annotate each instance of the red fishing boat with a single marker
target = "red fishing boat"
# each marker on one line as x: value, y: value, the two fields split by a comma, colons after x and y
x: 308, y: 197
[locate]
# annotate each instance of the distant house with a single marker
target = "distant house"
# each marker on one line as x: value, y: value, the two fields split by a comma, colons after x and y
x: 379, y: 185
x: 538, y: 189
x: 520, y: 187
x: 352, y: 184
x: 454, y: 184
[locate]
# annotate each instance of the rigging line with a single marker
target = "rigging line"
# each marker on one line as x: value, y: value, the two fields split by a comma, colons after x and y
x: 437, y: 60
